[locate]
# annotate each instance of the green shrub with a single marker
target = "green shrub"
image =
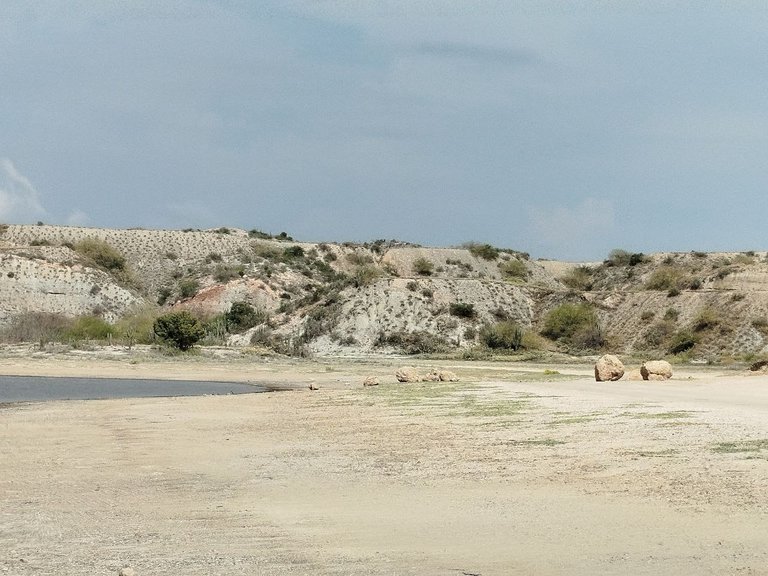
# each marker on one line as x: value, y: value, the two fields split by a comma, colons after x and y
x: 89, y: 328
x: 575, y: 325
x: 706, y: 319
x: 242, y: 316
x: 682, y: 341
x: 618, y: 257
x: 100, y: 253
x: 137, y: 327
x: 461, y: 309
x: 579, y: 278
x: 365, y: 275
x: 188, y: 287
x: 484, y: 251
x: 513, y: 269
x: 664, y: 278
x: 417, y: 342
x: 180, y: 329
x: 359, y: 259
x: 423, y: 267
x: 506, y: 335
x: 293, y: 252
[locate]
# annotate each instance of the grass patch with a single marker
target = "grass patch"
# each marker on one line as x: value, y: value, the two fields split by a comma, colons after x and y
x: 652, y: 453
x: 741, y: 446
x: 535, y: 442
x: 672, y: 415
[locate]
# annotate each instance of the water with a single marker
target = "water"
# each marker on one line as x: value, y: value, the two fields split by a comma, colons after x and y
x: 40, y: 389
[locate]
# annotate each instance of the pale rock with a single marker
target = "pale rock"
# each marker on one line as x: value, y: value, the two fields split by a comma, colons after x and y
x: 407, y: 374
x: 656, y: 370
x: 371, y: 381
x: 608, y: 368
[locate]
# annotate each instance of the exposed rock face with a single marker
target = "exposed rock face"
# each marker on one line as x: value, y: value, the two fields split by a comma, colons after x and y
x: 448, y: 376
x: 371, y: 381
x: 608, y: 368
x: 433, y: 376
x: 656, y: 370
x: 407, y: 374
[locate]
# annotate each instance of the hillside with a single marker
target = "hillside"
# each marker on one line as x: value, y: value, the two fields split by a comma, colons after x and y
x: 384, y: 296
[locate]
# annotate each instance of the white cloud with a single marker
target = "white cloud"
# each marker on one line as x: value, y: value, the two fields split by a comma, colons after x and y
x: 18, y: 198
x: 77, y: 218
x: 568, y: 230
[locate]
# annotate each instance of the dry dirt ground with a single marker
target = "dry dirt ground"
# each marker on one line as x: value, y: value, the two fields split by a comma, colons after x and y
x: 510, y: 471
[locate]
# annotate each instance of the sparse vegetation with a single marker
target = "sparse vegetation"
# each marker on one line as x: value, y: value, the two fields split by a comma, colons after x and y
x: 505, y: 335
x: 101, y: 254
x: 462, y: 309
x: 575, y: 325
x: 484, y: 251
x: 579, y: 278
x: 423, y: 267
x: 513, y: 269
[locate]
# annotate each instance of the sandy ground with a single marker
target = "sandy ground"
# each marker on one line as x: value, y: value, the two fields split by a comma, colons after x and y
x: 510, y: 471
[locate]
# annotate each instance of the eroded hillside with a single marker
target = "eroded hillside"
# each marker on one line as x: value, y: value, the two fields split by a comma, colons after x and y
x: 385, y: 296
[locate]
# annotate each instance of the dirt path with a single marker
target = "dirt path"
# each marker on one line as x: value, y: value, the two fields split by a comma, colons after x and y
x: 511, y: 475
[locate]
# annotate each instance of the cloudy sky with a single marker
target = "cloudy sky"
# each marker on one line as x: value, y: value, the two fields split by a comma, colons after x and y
x: 565, y: 129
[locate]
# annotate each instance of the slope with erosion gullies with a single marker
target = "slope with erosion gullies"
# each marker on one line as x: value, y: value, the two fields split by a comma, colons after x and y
x: 710, y: 304
x: 386, y: 295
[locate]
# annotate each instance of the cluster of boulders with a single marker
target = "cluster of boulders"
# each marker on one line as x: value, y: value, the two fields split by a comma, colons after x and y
x: 609, y: 368
x: 408, y: 374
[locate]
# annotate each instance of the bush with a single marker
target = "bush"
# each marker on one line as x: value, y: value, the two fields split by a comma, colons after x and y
x: 293, y: 252
x: 682, y: 341
x: 365, y: 275
x: 484, y: 251
x: 513, y: 268
x: 39, y: 327
x: 188, y: 287
x: 423, y: 267
x: 664, y: 278
x: 418, y: 342
x: 180, y: 329
x: 462, y: 310
x: 505, y: 335
x: 101, y: 254
x: 242, y: 316
x: 89, y: 328
x: 706, y: 319
x: 137, y: 327
x: 574, y: 324
x: 579, y: 278
x: 658, y: 333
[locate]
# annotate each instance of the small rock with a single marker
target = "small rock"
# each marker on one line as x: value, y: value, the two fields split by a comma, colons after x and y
x: 407, y: 374
x: 371, y: 381
x: 448, y: 376
x: 656, y: 370
x: 313, y: 386
x: 127, y: 571
x: 608, y: 368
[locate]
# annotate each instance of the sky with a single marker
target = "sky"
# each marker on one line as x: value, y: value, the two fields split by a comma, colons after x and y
x: 563, y: 129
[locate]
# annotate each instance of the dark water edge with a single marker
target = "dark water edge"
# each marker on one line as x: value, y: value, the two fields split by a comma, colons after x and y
x: 44, y: 388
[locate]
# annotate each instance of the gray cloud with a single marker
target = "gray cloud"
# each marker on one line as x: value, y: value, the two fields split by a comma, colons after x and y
x: 18, y: 198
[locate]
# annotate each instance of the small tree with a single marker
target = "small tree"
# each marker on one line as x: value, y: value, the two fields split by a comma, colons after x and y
x: 180, y: 329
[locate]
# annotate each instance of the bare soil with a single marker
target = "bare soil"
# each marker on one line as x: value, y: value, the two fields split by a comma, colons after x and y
x: 510, y: 471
